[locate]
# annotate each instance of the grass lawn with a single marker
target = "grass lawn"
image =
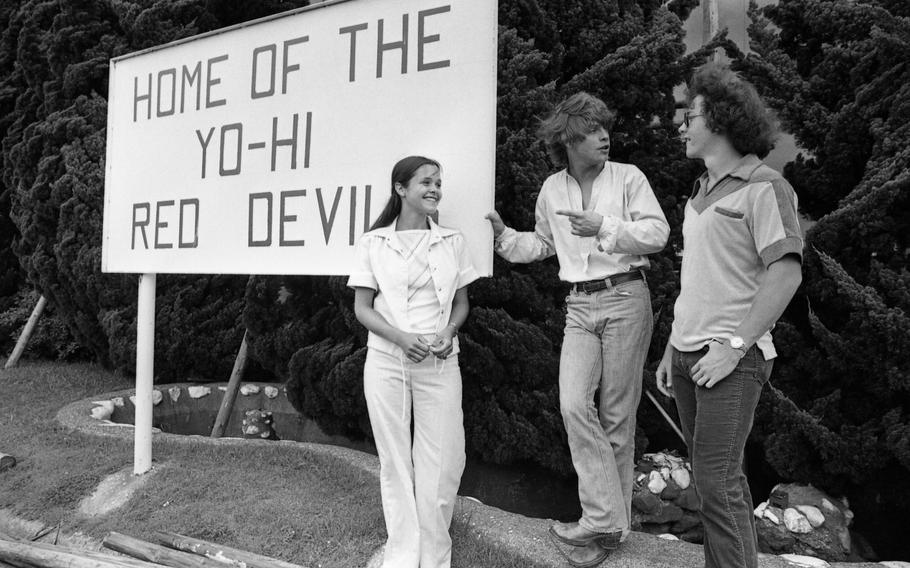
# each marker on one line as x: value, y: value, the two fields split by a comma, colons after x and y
x: 282, y: 501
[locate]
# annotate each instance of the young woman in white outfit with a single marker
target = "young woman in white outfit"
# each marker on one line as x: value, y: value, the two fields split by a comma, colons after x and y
x: 410, y: 289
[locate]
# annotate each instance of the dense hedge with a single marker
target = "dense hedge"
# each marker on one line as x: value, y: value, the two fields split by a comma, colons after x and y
x: 837, y: 73
x: 54, y: 58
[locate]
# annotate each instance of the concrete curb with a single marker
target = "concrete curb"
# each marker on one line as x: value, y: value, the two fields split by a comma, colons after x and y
x: 522, y: 537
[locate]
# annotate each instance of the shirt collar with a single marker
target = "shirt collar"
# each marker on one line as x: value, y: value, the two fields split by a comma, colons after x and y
x: 743, y: 170
x: 436, y: 232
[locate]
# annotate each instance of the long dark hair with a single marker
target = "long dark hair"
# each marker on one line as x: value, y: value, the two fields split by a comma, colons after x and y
x: 402, y: 173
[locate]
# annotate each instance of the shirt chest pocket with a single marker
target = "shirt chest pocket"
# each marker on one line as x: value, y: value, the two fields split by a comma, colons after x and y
x: 730, y: 213
x: 730, y: 225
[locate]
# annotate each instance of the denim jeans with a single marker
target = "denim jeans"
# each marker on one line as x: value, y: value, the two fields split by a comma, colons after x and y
x: 716, y: 422
x: 419, y: 474
x: 604, y: 348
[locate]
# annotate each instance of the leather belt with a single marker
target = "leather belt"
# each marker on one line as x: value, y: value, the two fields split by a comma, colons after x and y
x: 594, y: 285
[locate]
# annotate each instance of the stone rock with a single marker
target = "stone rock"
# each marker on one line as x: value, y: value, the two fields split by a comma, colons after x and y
x: 658, y: 459
x: 829, y: 540
x: 644, y: 466
x: 198, y: 392
x: 157, y: 397
x: 671, y: 491
x: 104, y: 410
x: 102, y: 413
x: 682, y: 477
x: 815, y: 517
x: 805, y: 561
x: 247, y: 390
x: 659, y: 503
x: 774, y: 539
x: 774, y: 515
x: 271, y: 392
x: 646, y: 502
x: 174, y: 393
x: 667, y: 536
x: 118, y: 401
x: 759, y: 511
x: 656, y: 483
x: 795, y: 521
x: 668, y: 513
x: 688, y: 499
x: 655, y: 529
x: 695, y: 535
x: 258, y: 424
x: 687, y: 522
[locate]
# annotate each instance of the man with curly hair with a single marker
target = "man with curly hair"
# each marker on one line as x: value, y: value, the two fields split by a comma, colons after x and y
x: 741, y: 266
x: 601, y: 220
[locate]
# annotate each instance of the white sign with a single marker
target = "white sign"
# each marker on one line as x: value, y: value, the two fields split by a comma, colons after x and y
x: 267, y: 148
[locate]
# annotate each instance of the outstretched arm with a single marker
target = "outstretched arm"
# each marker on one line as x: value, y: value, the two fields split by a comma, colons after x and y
x: 524, y: 247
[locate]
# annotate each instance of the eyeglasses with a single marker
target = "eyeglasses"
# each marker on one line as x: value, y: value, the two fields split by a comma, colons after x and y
x: 687, y: 118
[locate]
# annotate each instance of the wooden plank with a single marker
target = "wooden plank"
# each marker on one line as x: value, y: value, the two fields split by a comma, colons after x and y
x: 43, y: 555
x: 151, y: 552
x: 230, y: 393
x: 12, y: 563
x: 236, y: 557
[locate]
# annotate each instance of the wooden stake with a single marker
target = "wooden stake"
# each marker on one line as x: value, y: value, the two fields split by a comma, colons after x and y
x: 666, y: 416
x: 26, y: 333
x: 226, y: 554
x: 230, y: 394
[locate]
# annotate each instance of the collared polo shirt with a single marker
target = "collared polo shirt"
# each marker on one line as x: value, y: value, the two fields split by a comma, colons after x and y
x: 732, y: 232
x: 633, y: 226
x: 381, y: 264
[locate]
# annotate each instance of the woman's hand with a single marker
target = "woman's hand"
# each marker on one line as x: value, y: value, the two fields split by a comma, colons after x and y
x: 442, y: 345
x: 415, y: 347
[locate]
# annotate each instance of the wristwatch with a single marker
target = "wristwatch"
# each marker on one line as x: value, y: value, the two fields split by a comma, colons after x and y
x: 737, y: 342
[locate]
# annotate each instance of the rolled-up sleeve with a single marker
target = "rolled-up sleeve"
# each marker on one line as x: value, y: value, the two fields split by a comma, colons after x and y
x: 362, y: 275
x: 466, y: 271
x: 646, y: 231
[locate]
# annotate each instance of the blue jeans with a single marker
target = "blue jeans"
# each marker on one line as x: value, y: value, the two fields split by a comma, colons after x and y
x: 606, y: 341
x: 716, y: 423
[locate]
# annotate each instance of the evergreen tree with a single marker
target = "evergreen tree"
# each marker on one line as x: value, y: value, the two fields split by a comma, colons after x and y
x: 836, y: 71
x: 55, y: 57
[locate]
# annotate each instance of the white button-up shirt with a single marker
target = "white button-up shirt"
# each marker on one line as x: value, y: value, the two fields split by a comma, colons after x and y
x: 633, y: 226
x: 381, y: 265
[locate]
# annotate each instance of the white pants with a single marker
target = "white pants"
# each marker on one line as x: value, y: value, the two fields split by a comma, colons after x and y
x: 419, y: 481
